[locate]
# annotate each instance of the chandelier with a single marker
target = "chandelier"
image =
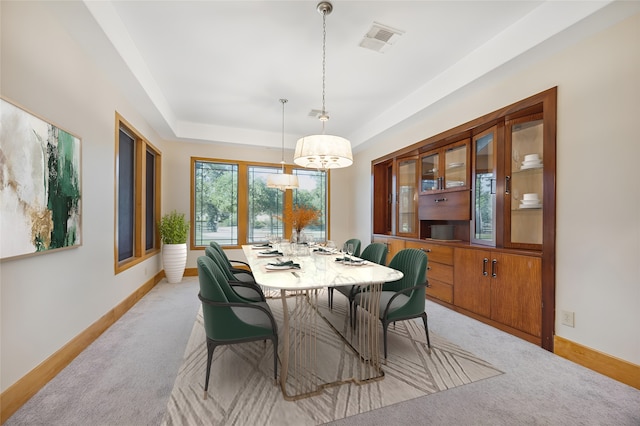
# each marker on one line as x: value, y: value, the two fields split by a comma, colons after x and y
x: 282, y: 181
x: 323, y: 151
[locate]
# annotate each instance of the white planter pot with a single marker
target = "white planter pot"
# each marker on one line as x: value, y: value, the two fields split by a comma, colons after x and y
x: 174, y: 260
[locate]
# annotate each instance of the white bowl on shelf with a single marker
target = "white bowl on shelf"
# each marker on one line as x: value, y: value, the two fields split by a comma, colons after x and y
x: 530, y: 196
x: 531, y: 157
x: 530, y: 202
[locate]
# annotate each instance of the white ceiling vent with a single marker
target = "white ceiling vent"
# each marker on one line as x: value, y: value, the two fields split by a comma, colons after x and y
x: 380, y: 37
x: 315, y: 113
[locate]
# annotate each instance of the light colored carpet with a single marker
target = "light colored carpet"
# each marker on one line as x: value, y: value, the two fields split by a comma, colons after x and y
x: 242, y: 390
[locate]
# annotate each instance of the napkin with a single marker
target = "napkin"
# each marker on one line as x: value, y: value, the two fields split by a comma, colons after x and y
x: 287, y: 263
x: 271, y: 252
x: 349, y: 259
x: 323, y: 250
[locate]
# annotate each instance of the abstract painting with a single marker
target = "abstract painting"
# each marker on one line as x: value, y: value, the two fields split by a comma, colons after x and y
x: 40, y: 185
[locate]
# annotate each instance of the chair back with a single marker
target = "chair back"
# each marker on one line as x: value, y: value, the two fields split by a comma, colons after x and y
x: 413, y: 265
x: 356, y: 246
x: 217, y: 247
x: 220, y: 321
x: 223, y: 275
x: 211, y: 290
x: 217, y: 257
x: 375, y: 252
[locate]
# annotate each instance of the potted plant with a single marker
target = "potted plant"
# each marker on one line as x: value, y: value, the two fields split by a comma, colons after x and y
x: 174, y: 230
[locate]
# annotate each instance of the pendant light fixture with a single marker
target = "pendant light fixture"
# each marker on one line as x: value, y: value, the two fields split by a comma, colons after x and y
x: 323, y: 151
x: 282, y: 181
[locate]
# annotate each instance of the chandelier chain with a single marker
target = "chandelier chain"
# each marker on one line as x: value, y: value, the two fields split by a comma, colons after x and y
x: 324, y: 61
x: 283, y: 101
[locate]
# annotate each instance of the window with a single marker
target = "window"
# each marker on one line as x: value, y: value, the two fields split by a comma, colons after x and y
x: 137, y: 197
x: 232, y: 204
x: 312, y: 192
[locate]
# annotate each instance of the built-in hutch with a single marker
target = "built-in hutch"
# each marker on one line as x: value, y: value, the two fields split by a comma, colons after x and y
x: 480, y: 200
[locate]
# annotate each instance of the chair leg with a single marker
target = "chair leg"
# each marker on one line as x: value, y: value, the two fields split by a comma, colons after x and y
x: 330, y: 297
x: 426, y: 329
x: 210, y: 348
x: 384, y: 338
x: 275, y: 358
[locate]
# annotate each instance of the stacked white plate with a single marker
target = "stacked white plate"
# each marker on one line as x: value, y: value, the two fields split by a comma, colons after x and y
x: 531, y: 161
x: 530, y: 201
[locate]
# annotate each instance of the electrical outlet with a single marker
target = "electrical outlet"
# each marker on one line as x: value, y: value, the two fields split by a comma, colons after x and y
x: 568, y: 318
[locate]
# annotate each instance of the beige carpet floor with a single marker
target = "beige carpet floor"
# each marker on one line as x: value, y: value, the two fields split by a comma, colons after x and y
x: 242, y: 389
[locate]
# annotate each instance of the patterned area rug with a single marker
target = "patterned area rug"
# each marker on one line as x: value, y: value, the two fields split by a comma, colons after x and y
x: 242, y: 389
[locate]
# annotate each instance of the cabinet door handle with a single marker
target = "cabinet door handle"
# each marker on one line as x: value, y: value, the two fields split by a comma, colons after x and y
x: 494, y: 273
x: 507, y: 184
x: 440, y: 200
x: 425, y: 250
x: 484, y: 266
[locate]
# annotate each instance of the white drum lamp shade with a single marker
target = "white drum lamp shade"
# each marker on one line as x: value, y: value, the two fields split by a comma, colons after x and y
x: 323, y: 152
x: 282, y: 181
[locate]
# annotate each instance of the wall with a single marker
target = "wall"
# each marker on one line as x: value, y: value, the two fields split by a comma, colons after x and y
x: 50, y: 298
x: 598, y: 180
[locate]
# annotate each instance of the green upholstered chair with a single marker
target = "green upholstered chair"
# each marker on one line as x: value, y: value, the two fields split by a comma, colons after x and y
x: 356, y: 246
x: 402, y: 299
x: 242, y: 274
x: 249, y: 291
x: 229, y: 319
x: 374, y: 252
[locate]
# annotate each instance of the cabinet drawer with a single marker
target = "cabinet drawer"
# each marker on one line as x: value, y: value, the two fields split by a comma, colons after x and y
x: 440, y: 272
x: 440, y: 290
x: 445, y: 206
x: 435, y: 253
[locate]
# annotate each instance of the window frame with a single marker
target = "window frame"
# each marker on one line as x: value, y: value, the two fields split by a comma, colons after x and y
x: 140, y: 188
x: 243, y: 198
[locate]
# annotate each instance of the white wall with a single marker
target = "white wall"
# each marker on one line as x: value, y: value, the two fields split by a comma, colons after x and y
x: 598, y: 178
x: 47, y: 300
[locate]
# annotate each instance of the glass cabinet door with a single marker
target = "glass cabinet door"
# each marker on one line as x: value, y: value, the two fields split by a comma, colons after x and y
x: 429, y: 168
x: 407, y: 196
x: 455, y: 172
x: 525, y: 143
x: 484, y: 186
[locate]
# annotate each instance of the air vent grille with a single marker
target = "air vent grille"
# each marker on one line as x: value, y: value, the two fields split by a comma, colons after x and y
x: 380, y: 37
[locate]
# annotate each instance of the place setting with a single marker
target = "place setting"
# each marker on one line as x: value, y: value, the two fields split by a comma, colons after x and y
x: 328, y: 249
x: 282, y: 265
x: 270, y: 253
x: 348, y: 258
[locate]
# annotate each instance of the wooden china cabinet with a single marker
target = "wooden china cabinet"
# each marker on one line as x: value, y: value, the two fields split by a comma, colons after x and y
x: 480, y: 200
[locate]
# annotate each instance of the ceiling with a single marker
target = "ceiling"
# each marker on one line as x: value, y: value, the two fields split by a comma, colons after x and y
x: 215, y: 70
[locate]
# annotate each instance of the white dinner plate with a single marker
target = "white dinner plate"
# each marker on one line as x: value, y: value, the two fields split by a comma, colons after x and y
x: 356, y: 263
x: 279, y: 268
x: 530, y: 206
x: 326, y: 253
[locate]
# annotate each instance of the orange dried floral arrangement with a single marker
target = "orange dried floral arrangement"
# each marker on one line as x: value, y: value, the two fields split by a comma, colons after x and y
x: 300, y: 217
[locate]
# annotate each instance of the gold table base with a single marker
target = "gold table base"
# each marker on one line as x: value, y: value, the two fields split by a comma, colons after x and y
x: 298, y: 375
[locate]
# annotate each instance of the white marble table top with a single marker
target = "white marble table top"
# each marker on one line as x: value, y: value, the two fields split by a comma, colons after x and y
x: 316, y: 271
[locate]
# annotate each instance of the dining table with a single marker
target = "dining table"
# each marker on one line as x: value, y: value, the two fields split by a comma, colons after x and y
x: 299, y: 273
